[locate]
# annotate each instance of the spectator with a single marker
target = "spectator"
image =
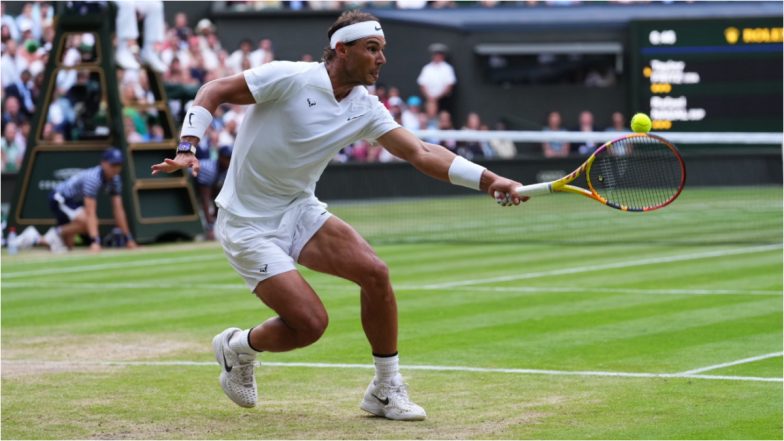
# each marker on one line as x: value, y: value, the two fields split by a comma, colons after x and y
x: 393, y: 95
x: 380, y: 91
x: 264, y: 54
x: 445, y: 123
x: 473, y: 149
x: 5, y: 34
x: 239, y: 60
x: 210, y: 45
x: 157, y: 133
x: 26, y: 21
x: 12, y: 149
x: 554, y: 149
x: 504, y: 148
x: 9, y: 70
x: 395, y: 106
x: 132, y: 135
x: 181, y: 29
x: 10, y: 23
x: 585, y: 124
x: 618, y: 123
x: 205, y: 181
x: 61, y: 114
x: 410, y: 117
x: 12, y: 112
x: 437, y: 78
x: 426, y: 123
x: 128, y: 32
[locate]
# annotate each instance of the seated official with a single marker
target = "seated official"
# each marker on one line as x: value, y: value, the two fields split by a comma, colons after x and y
x: 74, y: 204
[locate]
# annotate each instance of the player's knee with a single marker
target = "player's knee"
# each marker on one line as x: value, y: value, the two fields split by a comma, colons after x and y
x: 312, y: 327
x: 375, y: 274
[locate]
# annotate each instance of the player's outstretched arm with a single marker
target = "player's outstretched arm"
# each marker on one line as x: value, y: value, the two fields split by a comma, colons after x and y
x: 438, y: 162
x: 231, y: 90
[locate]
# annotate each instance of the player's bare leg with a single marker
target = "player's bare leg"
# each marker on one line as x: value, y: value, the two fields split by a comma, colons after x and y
x: 302, y: 318
x: 339, y: 250
x: 301, y: 321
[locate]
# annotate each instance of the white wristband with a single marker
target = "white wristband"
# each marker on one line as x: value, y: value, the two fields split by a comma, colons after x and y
x: 196, y: 122
x: 466, y: 173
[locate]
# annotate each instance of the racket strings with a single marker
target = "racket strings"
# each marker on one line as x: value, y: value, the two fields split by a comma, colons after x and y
x: 638, y: 173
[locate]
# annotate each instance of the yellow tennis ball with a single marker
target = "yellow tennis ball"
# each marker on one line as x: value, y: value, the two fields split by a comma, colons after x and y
x: 641, y: 123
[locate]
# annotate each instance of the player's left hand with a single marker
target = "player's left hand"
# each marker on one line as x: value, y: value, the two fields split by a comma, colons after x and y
x: 182, y: 160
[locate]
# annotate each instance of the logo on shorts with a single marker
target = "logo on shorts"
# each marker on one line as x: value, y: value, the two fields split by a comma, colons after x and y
x: 263, y: 269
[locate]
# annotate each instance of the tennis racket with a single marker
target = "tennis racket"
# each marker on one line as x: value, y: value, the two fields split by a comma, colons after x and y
x: 637, y: 172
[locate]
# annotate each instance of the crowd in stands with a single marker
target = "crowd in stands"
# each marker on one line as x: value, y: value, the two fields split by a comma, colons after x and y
x: 193, y: 56
x: 336, y: 5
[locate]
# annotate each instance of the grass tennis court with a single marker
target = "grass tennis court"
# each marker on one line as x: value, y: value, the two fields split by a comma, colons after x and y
x: 515, y: 324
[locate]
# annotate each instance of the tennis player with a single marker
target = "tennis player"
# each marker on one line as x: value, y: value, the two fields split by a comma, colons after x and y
x: 302, y: 114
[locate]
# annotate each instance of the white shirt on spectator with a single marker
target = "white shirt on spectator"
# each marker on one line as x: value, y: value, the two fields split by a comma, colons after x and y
x: 437, y: 77
x: 258, y: 57
x: 9, y: 73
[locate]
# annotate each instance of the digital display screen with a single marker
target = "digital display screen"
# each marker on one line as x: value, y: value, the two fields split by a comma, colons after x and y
x: 716, y: 75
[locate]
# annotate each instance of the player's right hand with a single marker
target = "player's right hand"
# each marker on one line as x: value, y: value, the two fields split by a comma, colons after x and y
x: 182, y: 160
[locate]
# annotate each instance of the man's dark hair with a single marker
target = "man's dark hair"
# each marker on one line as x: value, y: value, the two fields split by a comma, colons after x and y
x: 345, y: 19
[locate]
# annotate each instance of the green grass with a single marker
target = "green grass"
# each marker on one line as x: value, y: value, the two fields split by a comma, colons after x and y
x: 552, y: 291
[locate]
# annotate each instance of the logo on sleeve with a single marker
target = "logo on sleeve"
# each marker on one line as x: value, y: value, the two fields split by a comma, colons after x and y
x: 311, y: 103
x: 263, y: 269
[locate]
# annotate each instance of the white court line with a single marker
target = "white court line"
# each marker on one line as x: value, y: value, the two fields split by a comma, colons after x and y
x: 733, y: 363
x: 408, y: 367
x: 652, y: 291
x: 113, y: 265
x: 326, y: 287
x: 612, y: 265
x: 121, y: 285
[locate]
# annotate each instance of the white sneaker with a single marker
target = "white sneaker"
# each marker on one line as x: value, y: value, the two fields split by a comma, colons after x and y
x: 388, y: 401
x: 56, y: 244
x: 152, y: 59
x: 28, y: 238
x: 236, y: 378
x: 125, y: 59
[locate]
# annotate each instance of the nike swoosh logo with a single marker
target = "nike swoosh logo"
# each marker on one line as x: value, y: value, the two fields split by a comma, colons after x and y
x: 190, y: 118
x: 377, y: 28
x: 225, y: 363
x: 385, y: 401
x: 351, y: 118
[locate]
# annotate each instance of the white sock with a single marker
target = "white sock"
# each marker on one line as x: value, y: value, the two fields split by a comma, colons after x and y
x: 240, y: 342
x: 388, y: 370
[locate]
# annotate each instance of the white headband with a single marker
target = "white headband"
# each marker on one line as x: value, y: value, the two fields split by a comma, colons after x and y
x: 355, y: 32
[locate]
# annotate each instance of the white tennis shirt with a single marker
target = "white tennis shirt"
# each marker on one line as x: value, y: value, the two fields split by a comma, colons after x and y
x: 288, y: 137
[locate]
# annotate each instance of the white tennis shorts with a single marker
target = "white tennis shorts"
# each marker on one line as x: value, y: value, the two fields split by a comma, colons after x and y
x: 259, y: 248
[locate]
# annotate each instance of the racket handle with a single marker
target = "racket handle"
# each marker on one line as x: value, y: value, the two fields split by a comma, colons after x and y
x: 535, y: 189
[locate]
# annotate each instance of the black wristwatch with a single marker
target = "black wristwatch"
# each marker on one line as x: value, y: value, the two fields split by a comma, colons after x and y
x: 186, y: 147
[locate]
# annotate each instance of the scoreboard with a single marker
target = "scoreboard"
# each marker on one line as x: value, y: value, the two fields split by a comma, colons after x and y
x: 712, y: 75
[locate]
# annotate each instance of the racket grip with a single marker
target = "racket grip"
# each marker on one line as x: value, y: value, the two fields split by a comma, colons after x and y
x: 535, y: 189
